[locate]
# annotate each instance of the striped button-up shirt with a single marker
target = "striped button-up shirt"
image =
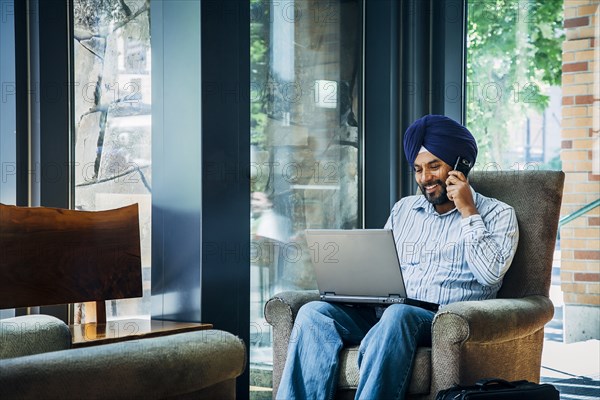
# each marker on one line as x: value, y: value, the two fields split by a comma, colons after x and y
x: 446, y: 258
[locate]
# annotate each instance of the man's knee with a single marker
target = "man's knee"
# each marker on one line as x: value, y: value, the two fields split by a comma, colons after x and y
x: 314, y: 308
x: 403, y: 312
x: 315, y: 320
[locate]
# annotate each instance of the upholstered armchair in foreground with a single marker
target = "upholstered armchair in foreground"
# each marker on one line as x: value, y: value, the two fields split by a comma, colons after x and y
x: 37, y: 362
x: 500, y: 338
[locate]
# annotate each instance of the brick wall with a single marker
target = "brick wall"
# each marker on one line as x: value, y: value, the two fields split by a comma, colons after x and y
x: 580, y: 239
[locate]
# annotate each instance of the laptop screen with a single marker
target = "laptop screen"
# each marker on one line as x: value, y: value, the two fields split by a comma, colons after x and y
x: 361, y: 262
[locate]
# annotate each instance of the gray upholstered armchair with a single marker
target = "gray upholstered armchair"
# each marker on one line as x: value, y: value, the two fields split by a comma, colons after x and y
x: 502, y: 337
x: 37, y: 362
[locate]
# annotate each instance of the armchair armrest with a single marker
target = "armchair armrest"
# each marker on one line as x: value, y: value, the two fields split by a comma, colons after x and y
x: 501, y: 337
x: 280, y: 312
x: 489, y: 321
x: 282, y: 308
x: 32, y: 334
x: 202, y: 363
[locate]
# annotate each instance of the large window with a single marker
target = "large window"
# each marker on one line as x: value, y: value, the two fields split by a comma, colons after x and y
x: 113, y: 120
x: 305, y: 68
x: 8, y: 162
x: 513, y: 82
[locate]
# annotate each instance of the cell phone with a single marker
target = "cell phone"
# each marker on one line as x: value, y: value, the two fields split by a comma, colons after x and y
x: 463, y: 165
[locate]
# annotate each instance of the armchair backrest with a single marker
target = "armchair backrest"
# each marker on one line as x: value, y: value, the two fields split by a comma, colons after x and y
x: 536, y: 197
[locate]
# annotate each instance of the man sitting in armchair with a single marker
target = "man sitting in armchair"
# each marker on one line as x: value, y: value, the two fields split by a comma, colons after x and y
x: 453, y: 244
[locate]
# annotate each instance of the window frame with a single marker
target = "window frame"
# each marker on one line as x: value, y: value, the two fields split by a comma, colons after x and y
x: 43, y: 110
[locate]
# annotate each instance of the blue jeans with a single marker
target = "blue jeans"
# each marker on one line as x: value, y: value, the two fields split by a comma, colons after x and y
x: 387, y: 349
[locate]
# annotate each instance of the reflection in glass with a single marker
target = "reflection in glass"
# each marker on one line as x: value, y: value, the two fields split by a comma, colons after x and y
x: 112, y: 120
x: 305, y: 59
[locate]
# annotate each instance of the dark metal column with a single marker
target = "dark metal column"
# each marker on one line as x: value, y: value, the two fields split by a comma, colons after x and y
x: 52, y: 88
x: 415, y: 72
x: 448, y: 58
x: 432, y: 67
x: 225, y: 176
x: 381, y: 110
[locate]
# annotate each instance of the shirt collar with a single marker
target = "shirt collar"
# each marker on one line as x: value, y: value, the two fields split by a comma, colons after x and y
x: 423, y: 204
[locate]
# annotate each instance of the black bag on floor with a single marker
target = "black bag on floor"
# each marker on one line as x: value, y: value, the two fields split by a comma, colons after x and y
x: 499, y: 389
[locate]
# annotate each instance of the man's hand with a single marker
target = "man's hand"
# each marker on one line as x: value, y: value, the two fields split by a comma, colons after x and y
x: 459, y: 192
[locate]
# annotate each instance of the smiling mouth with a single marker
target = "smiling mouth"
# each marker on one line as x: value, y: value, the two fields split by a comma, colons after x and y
x: 431, y: 188
x: 435, y: 192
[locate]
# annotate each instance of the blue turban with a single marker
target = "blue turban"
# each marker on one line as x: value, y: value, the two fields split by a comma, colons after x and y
x: 441, y: 136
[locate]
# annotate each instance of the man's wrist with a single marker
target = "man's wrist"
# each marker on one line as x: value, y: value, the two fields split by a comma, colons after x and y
x: 468, y: 211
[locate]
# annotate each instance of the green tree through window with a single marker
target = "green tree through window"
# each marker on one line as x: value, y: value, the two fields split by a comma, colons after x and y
x: 514, y: 56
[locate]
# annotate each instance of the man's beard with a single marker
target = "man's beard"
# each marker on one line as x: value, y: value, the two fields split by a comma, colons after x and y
x: 442, y: 198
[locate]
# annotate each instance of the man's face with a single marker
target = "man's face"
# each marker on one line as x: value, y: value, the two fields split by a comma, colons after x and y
x: 431, y: 174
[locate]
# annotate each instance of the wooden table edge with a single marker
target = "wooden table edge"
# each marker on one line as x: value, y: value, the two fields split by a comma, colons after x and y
x: 95, y: 334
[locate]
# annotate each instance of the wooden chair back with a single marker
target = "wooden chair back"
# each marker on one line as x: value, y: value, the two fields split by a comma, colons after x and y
x: 56, y: 256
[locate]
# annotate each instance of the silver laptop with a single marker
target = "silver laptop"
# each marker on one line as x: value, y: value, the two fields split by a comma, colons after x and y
x: 359, y: 266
